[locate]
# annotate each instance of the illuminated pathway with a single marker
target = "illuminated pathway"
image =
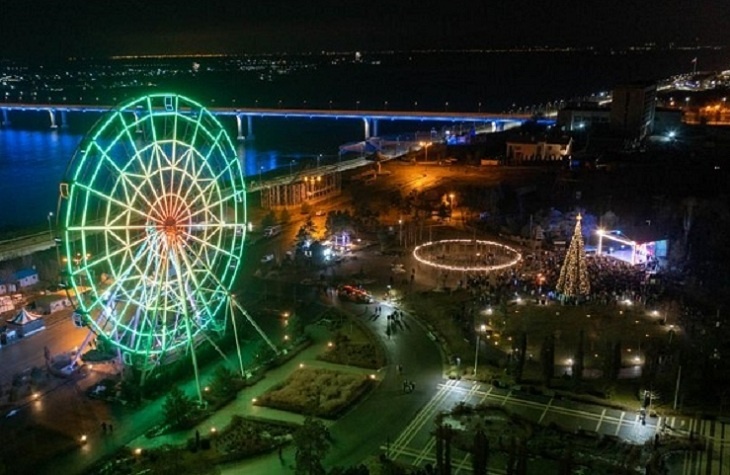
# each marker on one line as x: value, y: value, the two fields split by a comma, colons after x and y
x: 416, y: 444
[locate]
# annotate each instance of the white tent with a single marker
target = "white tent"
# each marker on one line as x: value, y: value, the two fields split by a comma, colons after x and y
x: 26, y: 323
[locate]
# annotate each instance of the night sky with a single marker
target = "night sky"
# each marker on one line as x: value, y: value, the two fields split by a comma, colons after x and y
x: 58, y: 28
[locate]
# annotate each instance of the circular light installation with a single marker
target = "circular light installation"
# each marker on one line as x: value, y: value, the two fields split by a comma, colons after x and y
x: 466, y: 255
x: 154, y: 210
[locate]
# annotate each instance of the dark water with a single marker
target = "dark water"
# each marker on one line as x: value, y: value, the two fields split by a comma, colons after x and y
x: 33, y: 157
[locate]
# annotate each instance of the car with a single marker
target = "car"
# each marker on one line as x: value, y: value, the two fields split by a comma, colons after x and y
x: 267, y: 258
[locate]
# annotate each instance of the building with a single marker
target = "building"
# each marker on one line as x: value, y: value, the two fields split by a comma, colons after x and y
x: 667, y: 120
x: 581, y: 116
x: 632, y: 109
x: 26, y: 277
x: 530, y: 148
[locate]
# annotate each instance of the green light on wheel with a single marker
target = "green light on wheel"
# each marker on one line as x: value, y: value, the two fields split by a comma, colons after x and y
x: 154, y: 214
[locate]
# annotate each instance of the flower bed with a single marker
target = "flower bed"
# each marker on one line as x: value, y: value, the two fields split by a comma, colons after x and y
x: 354, y: 348
x: 246, y: 437
x: 320, y: 392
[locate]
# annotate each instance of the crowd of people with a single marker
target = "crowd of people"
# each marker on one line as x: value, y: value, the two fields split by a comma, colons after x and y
x: 611, y: 280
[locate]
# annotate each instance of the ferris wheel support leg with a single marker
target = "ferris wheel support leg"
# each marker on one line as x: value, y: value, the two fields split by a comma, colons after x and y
x: 235, y: 336
x: 80, y: 350
x: 258, y: 329
x: 188, y: 330
x: 202, y: 332
x: 194, y: 358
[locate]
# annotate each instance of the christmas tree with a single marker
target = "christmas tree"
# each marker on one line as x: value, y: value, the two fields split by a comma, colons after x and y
x: 573, y: 281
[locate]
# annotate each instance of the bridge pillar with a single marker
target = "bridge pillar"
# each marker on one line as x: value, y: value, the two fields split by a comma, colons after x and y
x: 137, y: 127
x: 239, y: 126
x: 64, y: 122
x: 249, y: 123
x: 366, y: 123
x: 52, y: 115
x: 6, y: 119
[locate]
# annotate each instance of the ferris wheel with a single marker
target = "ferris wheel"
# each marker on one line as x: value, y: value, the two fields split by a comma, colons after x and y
x: 153, y: 213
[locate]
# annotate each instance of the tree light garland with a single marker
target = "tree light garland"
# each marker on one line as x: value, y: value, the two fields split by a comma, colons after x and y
x: 573, y: 280
x: 419, y: 251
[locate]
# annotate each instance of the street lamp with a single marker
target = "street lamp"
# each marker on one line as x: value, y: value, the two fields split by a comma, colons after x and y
x: 400, y: 232
x: 482, y: 329
x: 291, y: 170
x: 425, y: 145
x: 261, y: 168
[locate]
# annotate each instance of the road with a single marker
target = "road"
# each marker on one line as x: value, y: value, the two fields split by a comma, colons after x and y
x: 60, y: 336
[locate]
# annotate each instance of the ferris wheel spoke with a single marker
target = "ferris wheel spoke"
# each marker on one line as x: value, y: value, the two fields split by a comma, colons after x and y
x: 212, y: 247
x: 209, y: 206
x: 121, y: 227
x: 187, y: 170
x: 215, y: 182
x: 137, y: 152
x: 196, y: 180
x: 142, y: 252
x: 192, y: 272
x: 125, y: 176
x: 109, y: 255
x: 215, y: 146
x: 196, y: 129
x: 120, y: 187
x: 110, y: 199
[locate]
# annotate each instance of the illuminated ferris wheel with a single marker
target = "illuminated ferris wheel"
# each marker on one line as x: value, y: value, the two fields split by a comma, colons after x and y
x: 153, y: 208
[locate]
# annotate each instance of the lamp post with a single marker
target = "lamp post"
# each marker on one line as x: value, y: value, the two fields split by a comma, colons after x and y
x: 400, y: 232
x: 50, y: 230
x: 50, y: 234
x: 482, y: 329
x: 451, y: 206
x: 261, y: 181
x: 291, y: 169
x: 425, y: 145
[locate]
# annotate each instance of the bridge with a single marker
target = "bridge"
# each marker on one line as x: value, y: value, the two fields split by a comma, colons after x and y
x: 58, y: 113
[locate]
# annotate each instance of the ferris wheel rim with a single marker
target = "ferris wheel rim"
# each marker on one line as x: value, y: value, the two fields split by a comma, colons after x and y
x: 165, y: 232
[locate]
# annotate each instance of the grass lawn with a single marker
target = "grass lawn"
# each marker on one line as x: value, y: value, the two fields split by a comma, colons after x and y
x: 633, y: 326
x: 321, y: 392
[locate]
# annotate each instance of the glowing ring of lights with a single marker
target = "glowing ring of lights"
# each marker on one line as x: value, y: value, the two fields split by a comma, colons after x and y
x: 471, y: 242
x: 154, y: 212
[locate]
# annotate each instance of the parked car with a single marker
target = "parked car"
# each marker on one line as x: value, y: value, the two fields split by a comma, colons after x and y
x: 267, y: 258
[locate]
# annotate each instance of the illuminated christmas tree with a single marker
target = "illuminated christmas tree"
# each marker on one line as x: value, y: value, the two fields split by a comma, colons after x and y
x: 573, y: 281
